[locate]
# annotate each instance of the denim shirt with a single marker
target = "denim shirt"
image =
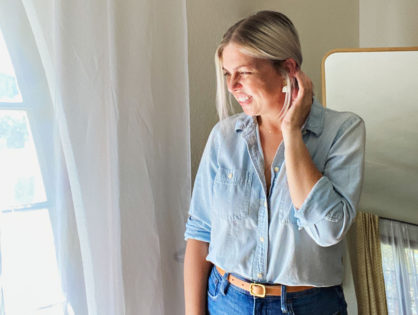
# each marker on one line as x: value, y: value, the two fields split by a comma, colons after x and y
x: 261, y: 236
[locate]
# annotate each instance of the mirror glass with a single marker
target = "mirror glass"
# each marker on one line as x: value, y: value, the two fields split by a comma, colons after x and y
x: 381, y: 85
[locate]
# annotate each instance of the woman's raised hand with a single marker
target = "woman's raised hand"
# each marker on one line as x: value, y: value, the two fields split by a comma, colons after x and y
x: 300, y: 105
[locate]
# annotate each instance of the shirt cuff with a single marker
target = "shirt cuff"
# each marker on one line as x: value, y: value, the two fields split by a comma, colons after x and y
x: 196, y: 230
x: 321, y: 198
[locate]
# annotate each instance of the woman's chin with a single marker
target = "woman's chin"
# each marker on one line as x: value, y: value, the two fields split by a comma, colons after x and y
x: 248, y: 110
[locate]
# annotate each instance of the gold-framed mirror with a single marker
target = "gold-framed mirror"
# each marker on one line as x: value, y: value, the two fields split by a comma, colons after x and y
x: 381, y: 85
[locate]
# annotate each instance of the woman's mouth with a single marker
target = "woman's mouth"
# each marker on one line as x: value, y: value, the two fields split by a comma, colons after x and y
x: 243, y: 99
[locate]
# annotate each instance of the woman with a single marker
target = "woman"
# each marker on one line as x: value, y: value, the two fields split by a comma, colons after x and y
x: 277, y: 185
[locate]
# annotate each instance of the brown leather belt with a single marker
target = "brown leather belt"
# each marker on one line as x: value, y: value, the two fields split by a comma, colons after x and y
x: 261, y: 290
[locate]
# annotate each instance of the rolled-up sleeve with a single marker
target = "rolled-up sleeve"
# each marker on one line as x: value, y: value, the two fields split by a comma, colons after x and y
x: 198, y: 225
x: 330, y: 207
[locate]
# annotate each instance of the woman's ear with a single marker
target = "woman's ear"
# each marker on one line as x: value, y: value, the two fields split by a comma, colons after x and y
x: 291, y: 67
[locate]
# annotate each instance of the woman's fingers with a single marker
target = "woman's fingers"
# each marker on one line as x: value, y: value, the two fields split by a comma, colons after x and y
x: 301, y: 102
x: 304, y: 85
x: 304, y: 92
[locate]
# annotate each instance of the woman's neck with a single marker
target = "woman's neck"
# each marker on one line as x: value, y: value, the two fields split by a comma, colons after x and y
x: 270, y: 125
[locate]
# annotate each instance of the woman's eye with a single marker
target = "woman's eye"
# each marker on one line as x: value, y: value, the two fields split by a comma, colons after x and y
x: 245, y: 73
x: 226, y: 74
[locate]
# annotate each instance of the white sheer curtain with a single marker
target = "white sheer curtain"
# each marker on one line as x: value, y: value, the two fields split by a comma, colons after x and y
x: 117, y: 75
x: 400, y: 265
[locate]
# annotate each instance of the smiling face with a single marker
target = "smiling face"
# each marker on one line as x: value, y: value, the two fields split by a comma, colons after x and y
x: 255, y: 83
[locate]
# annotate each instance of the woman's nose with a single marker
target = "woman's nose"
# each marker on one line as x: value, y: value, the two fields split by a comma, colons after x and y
x: 234, y: 83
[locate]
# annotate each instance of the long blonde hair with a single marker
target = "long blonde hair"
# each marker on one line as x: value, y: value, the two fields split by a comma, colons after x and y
x: 267, y: 35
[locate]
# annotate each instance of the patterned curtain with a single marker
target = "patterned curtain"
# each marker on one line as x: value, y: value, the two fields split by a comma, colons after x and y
x: 366, y: 260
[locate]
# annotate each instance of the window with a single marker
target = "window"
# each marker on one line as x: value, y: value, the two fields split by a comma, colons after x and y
x: 30, y: 281
x: 399, y: 245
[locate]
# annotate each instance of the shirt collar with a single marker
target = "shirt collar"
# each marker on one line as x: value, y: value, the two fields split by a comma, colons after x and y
x: 314, y: 123
x: 245, y: 122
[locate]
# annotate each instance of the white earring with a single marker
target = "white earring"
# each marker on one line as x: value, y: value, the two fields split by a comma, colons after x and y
x: 284, y: 87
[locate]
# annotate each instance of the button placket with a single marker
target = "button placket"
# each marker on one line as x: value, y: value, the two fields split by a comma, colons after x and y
x: 253, y: 144
x: 260, y: 262
x: 262, y: 244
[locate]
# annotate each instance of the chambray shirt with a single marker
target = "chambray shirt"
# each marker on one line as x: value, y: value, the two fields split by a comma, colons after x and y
x: 261, y: 236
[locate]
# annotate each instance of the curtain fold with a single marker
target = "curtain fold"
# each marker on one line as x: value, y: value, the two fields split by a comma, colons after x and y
x: 117, y: 74
x: 73, y: 40
x: 366, y: 261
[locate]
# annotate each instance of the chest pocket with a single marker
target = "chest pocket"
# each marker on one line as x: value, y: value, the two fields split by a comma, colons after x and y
x: 232, y: 193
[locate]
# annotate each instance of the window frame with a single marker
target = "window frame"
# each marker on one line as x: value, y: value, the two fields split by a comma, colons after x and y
x: 36, y: 100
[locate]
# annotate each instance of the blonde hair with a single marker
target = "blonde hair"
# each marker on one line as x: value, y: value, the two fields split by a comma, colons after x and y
x: 267, y: 35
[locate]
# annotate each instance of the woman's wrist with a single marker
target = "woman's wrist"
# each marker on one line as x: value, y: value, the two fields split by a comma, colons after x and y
x: 291, y: 133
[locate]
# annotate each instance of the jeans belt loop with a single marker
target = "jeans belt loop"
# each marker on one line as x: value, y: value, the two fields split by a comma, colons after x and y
x: 224, y: 283
x: 283, y: 300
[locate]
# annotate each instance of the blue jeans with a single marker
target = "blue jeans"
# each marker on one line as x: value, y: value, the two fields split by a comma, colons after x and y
x: 224, y: 298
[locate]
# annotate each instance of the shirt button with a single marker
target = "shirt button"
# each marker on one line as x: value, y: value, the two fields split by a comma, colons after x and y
x: 230, y: 175
x: 261, y: 239
x: 276, y: 169
x: 259, y: 275
x: 265, y: 204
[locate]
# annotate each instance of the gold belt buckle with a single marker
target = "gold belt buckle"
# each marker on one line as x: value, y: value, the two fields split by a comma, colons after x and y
x: 261, y: 295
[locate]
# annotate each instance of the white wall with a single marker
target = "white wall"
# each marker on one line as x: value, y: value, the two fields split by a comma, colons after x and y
x: 385, y: 23
x: 207, y: 22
